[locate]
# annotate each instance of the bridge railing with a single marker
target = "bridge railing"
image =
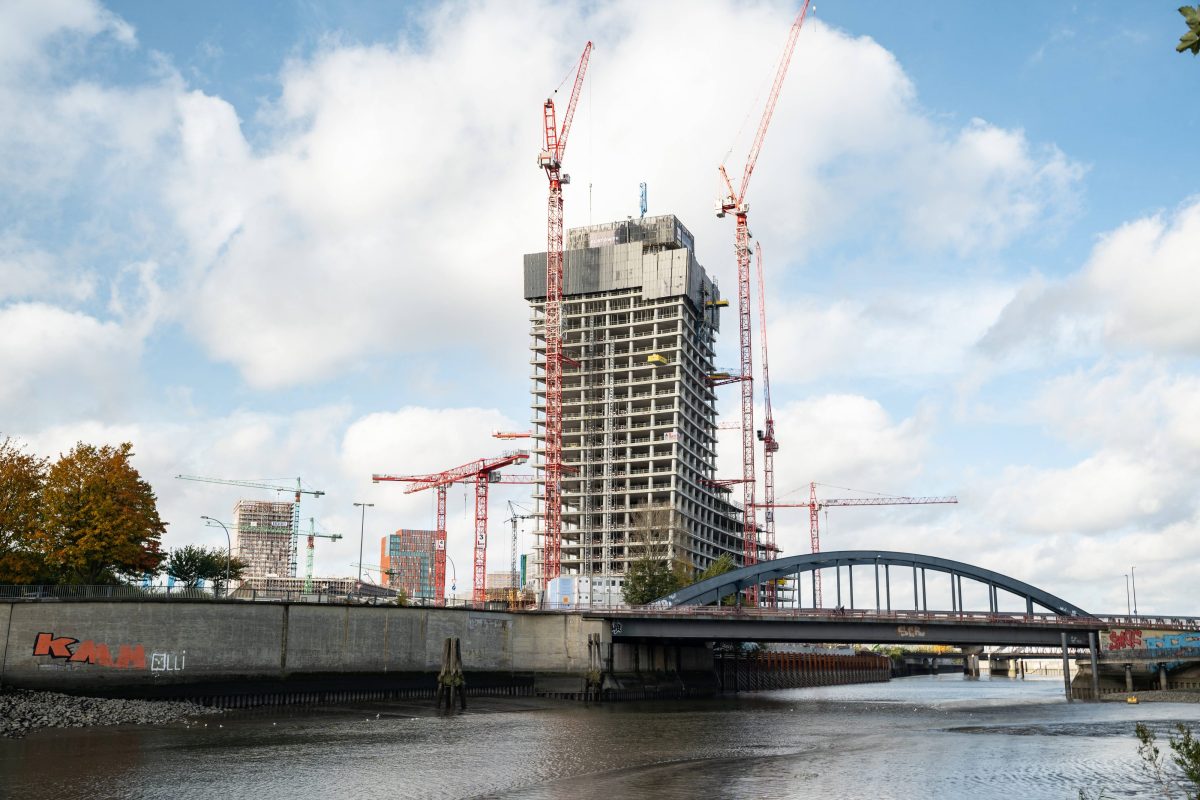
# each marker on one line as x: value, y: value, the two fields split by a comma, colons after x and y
x: 903, y: 616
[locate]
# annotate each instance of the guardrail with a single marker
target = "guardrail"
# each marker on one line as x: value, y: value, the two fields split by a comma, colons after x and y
x: 902, y: 616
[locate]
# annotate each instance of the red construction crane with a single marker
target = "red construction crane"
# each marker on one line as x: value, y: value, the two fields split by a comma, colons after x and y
x: 814, y: 507
x: 550, y: 159
x: 481, y: 473
x: 735, y: 201
x: 767, y: 434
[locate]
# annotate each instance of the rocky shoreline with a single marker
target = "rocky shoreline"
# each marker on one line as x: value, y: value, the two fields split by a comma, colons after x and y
x: 23, y: 712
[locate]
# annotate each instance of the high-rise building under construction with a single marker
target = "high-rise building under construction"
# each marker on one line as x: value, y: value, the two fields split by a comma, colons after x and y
x: 264, y: 538
x: 640, y: 317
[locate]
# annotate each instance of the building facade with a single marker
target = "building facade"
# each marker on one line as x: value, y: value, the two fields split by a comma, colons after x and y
x: 407, y: 561
x: 640, y: 316
x: 264, y: 537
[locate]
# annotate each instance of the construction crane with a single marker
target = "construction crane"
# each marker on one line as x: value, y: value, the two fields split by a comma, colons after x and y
x: 814, y: 507
x: 514, y: 518
x: 308, y: 559
x: 735, y: 202
x: 512, y: 434
x: 550, y: 159
x: 767, y: 434
x: 275, y: 487
x: 480, y: 473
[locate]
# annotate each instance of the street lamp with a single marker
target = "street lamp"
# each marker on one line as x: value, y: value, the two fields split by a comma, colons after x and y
x: 362, y: 527
x: 453, y: 575
x: 228, y: 549
x: 1133, y: 574
x: 1127, y: 611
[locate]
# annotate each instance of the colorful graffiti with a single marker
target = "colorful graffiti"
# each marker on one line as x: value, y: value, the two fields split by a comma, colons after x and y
x: 1135, y: 639
x: 1127, y: 639
x: 74, y: 651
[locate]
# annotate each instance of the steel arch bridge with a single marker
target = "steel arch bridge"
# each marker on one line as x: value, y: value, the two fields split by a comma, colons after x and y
x: 712, y: 590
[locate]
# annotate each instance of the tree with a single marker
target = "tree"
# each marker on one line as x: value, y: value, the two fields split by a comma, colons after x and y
x: 719, y: 567
x: 1191, y: 39
x: 1185, y: 752
x: 100, y: 520
x: 658, y: 569
x: 21, y: 478
x: 193, y: 565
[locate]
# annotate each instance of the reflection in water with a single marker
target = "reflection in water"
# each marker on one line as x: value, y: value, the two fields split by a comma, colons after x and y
x: 941, y: 735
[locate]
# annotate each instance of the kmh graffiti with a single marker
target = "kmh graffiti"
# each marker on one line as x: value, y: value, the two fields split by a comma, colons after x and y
x: 74, y: 651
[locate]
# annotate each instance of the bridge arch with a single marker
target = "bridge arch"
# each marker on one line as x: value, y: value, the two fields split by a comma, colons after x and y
x: 713, y: 589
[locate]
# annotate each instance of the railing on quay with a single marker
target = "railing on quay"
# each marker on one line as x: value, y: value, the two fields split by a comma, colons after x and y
x: 161, y: 592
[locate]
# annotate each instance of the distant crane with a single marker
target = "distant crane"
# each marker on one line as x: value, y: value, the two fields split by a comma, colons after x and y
x: 735, y: 201
x: 514, y: 517
x: 512, y: 434
x: 814, y: 507
x: 550, y: 159
x: 275, y: 487
x: 480, y: 473
x: 308, y: 561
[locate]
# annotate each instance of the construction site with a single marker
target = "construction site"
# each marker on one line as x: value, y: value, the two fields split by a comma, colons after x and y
x: 621, y: 452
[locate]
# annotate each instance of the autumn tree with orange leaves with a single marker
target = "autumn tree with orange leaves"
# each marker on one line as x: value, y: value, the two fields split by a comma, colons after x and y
x: 96, y: 520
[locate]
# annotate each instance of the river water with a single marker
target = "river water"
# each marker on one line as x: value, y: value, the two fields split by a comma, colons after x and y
x: 930, y: 737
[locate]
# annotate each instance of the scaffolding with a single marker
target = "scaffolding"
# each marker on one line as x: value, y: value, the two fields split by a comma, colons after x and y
x: 265, y: 537
x: 639, y: 318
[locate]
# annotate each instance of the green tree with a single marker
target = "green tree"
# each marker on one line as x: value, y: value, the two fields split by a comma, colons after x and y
x: 658, y: 568
x: 21, y: 478
x: 99, y: 519
x: 719, y: 567
x: 1185, y: 753
x: 1191, y: 39
x: 192, y: 565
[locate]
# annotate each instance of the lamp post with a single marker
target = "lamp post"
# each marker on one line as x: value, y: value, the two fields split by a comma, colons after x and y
x: 361, y: 529
x: 453, y: 575
x: 1133, y: 575
x: 228, y: 550
x: 1127, y: 611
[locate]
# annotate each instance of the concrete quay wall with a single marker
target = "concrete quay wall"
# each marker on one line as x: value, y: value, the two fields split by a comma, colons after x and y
x: 169, y: 647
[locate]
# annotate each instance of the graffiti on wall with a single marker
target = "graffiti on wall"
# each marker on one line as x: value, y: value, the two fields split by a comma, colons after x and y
x: 67, y: 652
x: 74, y: 651
x: 1135, y: 639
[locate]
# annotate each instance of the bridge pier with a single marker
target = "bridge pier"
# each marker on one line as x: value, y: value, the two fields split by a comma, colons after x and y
x: 1093, y: 648
x: 1066, y: 669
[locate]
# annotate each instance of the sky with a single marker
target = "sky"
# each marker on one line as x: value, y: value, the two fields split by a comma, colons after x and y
x: 285, y: 239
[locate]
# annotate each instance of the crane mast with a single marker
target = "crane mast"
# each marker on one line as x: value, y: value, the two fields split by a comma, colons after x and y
x: 767, y: 435
x: 735, y: 202
x: 550, y: 159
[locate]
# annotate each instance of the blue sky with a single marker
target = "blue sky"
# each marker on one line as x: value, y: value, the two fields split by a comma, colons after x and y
x: 279, y: 239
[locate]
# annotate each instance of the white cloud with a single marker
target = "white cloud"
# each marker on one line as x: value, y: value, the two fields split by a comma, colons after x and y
x: 903, y: 335
x: 26, y: 26
x: 1145, y: 283
x: 392, y: 177
x: 72, y: 363
x: 1136, y: 292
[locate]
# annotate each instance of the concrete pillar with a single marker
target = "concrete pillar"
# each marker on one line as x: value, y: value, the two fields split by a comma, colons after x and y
x: 1162, y: 676
x: 1066, y: 667
x: 1092, y: 648
x: 1129, y: 677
